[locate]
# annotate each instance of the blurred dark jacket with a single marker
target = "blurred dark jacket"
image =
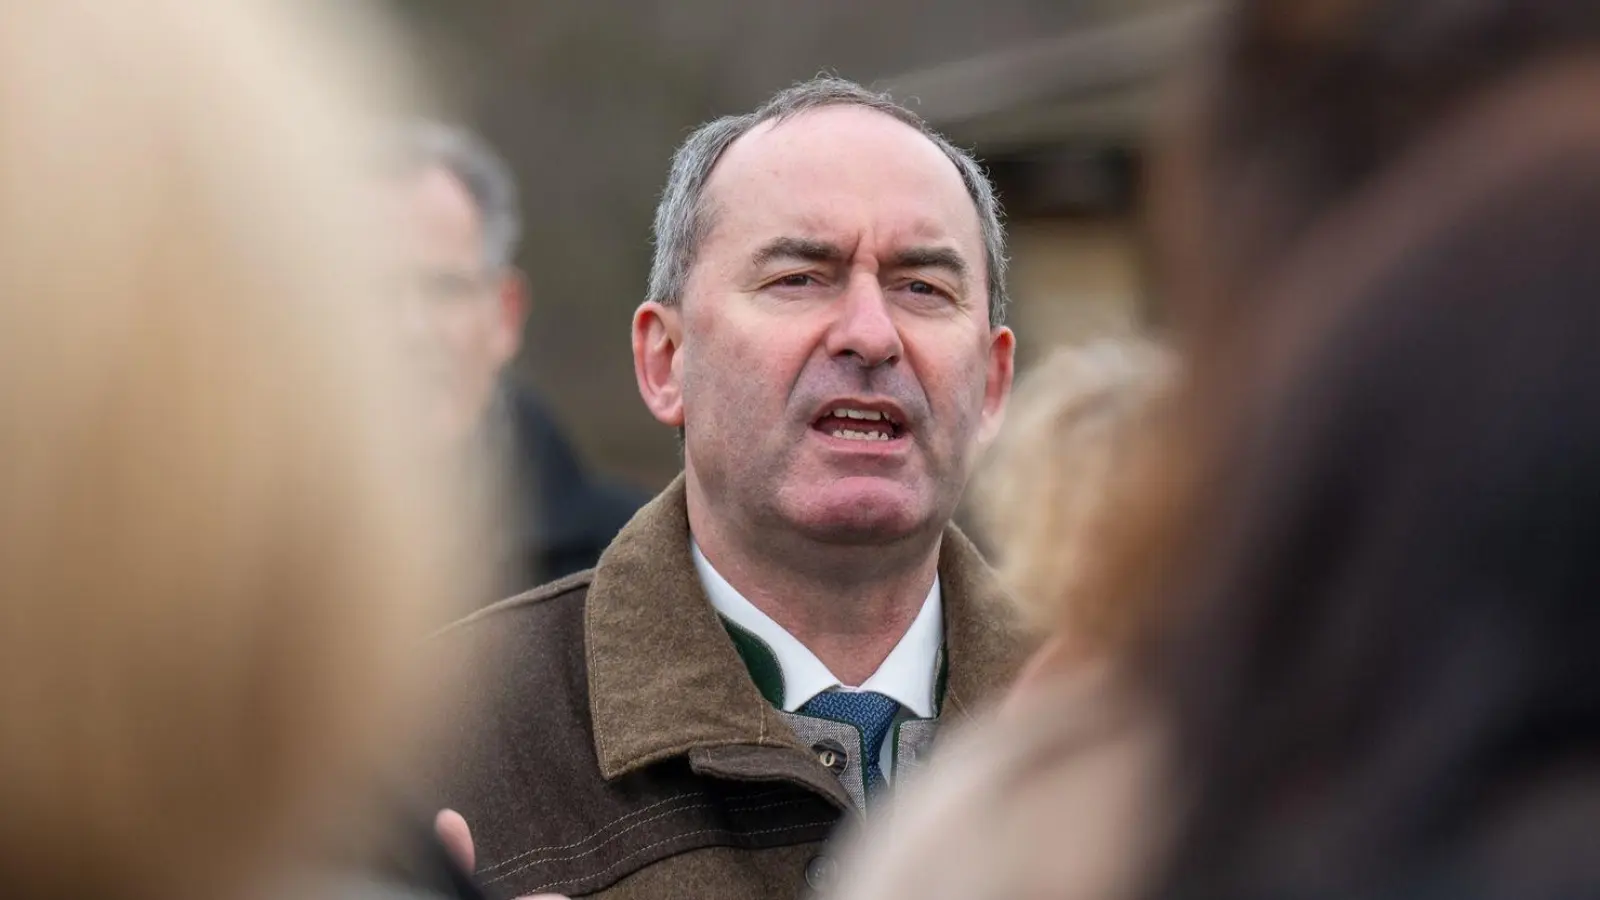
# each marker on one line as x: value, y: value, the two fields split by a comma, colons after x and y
x: 619, y: 747
x: 557, y: 515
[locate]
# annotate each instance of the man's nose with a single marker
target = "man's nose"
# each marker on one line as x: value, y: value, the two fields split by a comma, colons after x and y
x: 865, y: 327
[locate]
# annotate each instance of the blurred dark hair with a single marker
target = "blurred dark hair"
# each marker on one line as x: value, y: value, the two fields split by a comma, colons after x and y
x: 1382, y: 656
x: 1306, y: 101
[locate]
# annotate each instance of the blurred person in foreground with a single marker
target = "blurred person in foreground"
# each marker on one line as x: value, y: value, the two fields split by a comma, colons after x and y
x: 463, y: 307
x: 219, y: 539
x: 775, y: 640
x: 1368, y: 531
x: 1048, y: 486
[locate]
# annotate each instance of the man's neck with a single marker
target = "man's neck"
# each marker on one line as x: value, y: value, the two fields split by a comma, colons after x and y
x: 848, y: 605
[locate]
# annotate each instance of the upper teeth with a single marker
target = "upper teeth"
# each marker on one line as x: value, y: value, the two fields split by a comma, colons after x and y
x: 867, y: 414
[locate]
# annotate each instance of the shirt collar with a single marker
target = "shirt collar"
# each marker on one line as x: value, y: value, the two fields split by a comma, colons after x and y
x: 908, y: 675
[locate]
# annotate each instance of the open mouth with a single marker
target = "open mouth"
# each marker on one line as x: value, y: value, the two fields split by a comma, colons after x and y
x: 852, y: 424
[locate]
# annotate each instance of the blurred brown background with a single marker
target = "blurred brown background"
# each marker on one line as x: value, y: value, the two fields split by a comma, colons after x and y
x: 588, y: 99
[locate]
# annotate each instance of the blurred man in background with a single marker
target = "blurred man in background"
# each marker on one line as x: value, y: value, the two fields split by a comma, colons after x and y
x: 464, y: 305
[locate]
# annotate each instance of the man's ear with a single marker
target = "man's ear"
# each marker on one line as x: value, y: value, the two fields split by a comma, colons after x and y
x: 511, y: 299
x: 657, y: 340
x: 997, y: 389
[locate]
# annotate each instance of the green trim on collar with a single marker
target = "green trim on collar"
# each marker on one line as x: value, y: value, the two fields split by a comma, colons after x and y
x: 762, y: 663
x: 760, y: 660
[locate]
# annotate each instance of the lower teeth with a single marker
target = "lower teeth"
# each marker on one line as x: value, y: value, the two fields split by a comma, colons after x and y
x: 861, y: 435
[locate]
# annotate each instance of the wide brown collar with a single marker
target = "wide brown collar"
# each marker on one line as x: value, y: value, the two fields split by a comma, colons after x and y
x: 665, y: 678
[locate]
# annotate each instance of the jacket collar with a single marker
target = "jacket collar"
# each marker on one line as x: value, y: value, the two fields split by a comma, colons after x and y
x: 665, y: 678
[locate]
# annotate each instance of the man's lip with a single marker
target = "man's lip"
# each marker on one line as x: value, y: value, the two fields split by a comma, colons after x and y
x: 888, y: 408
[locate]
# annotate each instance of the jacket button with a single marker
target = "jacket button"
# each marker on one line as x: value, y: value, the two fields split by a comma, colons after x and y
x: 832, y: 756
x: 820, y: 873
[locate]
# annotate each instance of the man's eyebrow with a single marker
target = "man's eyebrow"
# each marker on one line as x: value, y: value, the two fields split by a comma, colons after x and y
x: 930, y: 258
x: 804, y: 249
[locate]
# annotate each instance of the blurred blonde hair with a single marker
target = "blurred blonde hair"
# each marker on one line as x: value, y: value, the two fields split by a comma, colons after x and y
x: 1044, y: 492
x: 216, y: 544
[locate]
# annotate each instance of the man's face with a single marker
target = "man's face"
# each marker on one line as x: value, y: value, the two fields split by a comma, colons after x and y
x: 461, y: 318
x: 834, y: 361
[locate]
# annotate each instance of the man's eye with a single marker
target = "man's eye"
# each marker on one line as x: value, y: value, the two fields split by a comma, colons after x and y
x: 923, y: 287
x: 795, y: 281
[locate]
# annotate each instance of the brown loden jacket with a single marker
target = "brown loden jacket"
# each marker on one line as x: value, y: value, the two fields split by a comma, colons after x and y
x: 616, y: 745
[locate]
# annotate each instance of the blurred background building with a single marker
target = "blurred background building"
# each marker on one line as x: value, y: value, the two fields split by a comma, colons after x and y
x: 588, y: 100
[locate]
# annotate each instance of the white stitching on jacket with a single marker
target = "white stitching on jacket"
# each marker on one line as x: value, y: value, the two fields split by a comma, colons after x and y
x: 618, y: 863
x: 600, y: 846
x: 618, y: 821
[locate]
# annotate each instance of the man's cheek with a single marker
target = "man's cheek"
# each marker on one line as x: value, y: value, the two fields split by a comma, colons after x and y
x: 739, y: 359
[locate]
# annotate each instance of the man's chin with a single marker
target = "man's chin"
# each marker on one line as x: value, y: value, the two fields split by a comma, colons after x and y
x: 875, y: 511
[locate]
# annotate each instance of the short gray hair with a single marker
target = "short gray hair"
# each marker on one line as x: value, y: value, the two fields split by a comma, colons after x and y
x: 683, y: 219
x: 486, y: 175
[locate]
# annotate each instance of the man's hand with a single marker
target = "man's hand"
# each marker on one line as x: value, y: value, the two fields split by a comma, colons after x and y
x: 457, y: 839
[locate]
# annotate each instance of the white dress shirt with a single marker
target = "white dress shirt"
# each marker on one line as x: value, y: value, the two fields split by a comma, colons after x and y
x: 908, y: 675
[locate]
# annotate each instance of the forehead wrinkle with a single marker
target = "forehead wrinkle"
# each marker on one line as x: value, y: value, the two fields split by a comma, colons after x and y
x: 799, y: 248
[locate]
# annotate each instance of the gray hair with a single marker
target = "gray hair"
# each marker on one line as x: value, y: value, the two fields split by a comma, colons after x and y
x: 683, y: 219
x: 487, y: 177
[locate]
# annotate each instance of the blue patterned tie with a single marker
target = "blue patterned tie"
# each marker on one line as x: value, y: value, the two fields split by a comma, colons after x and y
x: 870, y: 712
